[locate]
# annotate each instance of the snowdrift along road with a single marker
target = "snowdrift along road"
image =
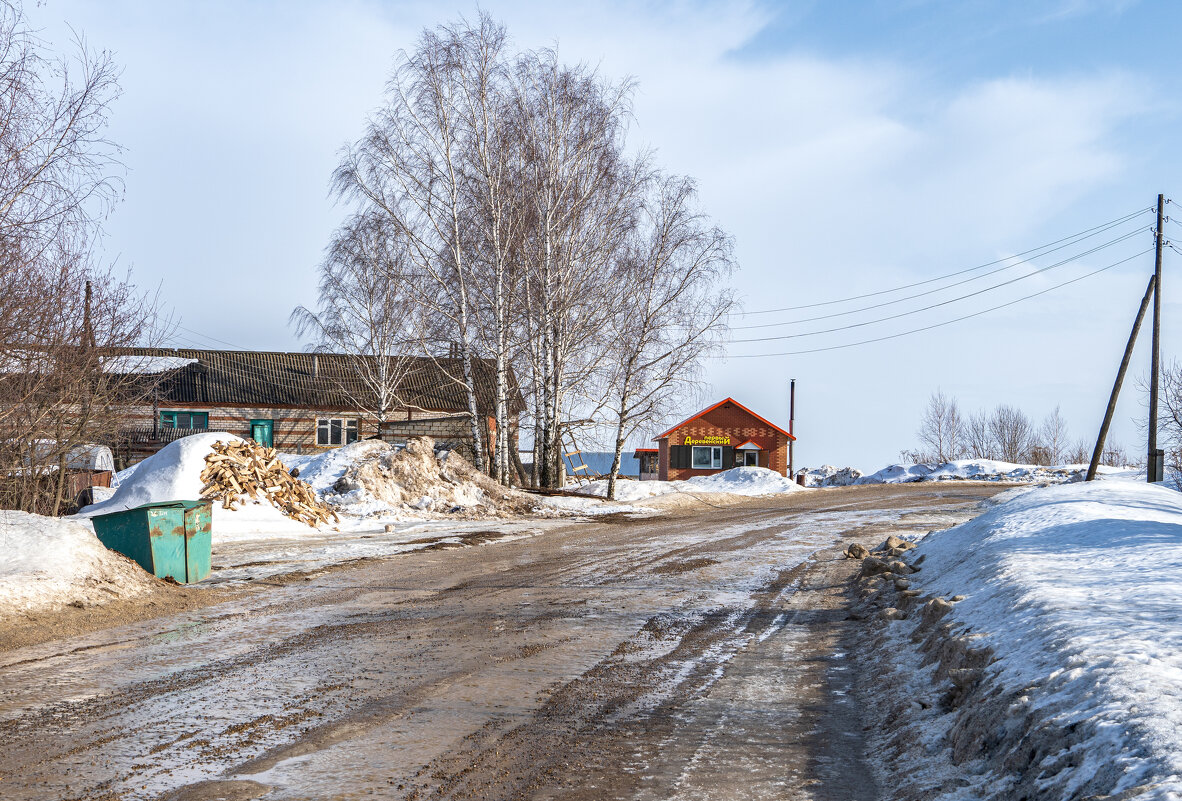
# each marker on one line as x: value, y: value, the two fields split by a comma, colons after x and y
x: 1050, y: 649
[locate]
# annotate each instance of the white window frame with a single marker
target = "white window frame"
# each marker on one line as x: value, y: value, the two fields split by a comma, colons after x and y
x: 346, y: 431
x: 715, y: 457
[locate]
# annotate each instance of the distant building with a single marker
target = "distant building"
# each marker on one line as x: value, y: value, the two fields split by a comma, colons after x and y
x: 648, y: 460
x: 718, y: 438
x: 297, y: 402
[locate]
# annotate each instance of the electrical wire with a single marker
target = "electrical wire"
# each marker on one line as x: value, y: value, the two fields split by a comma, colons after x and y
x: 211, y: 339
x: 943, y: 288
x: 946, y: 322
x: 1076, y: 236
x: 941, y: 303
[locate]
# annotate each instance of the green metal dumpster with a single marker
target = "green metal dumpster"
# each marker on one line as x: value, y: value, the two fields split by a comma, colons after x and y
x: 169, y: 540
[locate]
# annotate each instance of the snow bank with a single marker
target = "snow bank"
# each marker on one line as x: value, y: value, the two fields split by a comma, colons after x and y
x: 174, y: 474
x: 1075, y: 595
x: 53, y: 562
x: 752, y: 481
x: 975, y: 470
x: 324, y: 470
x: 829, y: 476
x: 382, y: 479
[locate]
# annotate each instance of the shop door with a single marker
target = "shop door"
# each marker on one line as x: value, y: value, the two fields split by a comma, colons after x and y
x: 263, y: 432
x: 751, y: 458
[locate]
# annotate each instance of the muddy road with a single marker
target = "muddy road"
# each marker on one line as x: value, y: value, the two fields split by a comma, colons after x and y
x: 701, y: 655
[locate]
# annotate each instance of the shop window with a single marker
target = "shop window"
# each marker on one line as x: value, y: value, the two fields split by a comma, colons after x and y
x: 189, y: 420
x: 336, y: 431
x: 707, y: 457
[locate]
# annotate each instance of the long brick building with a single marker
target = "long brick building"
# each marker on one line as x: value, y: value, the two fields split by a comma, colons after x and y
x: 296, y: 402
x: 718, y: 438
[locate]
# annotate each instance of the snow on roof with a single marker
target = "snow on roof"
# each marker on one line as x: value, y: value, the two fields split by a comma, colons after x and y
x: 144, y: 365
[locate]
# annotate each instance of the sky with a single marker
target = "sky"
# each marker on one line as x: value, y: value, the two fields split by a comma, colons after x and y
x: 849, y: 148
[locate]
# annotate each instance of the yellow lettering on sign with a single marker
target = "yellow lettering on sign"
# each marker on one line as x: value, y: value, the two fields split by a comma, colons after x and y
x: 709, y: 440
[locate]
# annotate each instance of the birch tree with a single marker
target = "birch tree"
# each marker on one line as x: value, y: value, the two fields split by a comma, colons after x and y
x: 368, y: 312
x: 410, y: 168
x: 672, y: 314
x: 578, y: 192
x: 941, y: 430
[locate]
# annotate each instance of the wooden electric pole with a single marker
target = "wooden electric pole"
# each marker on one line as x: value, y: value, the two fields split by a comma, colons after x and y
x: 1151, y: 464
x: 791, y: 422
x: 1120, y: 379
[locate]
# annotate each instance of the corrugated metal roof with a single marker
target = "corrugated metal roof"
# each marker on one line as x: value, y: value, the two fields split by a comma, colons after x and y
x: 316, y: 380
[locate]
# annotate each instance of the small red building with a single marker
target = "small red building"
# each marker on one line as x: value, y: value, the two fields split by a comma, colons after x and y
x: 718, y: 438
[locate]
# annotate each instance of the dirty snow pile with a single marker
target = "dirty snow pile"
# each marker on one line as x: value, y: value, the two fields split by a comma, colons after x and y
x: 174, y: 474
x: 975, y: 470
x: 1049, y: 662
x: 829, y: 476
x: 51, y: 562
x: 751, y: 481
x: 376, y: 478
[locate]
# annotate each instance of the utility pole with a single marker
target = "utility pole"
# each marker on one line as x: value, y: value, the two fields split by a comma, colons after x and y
x: 1151, y: 464
x: 1120, y: 379
x: 791, y: 421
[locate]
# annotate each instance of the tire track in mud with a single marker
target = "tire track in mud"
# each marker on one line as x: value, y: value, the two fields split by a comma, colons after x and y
x: 581, y: 727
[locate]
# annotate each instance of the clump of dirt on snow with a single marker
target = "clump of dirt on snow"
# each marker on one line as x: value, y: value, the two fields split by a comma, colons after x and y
x: 416, y: 478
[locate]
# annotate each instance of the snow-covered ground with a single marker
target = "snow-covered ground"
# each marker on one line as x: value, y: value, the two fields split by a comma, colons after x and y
x: 750, y: 481
x: 829, y: 476
x: 1063, y: 649
x: 49, y: 562
x: 979, y: 470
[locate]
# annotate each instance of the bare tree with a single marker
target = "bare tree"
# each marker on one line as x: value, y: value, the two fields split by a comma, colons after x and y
x: 941, y: 429
x: 411, y: 167
x: 1052, y: 441
x: 368, y: 312
x: 978, y: 441
x: 1011, y: 432
x: 1080, y: 452
x: 673, y: 313
x: 578, y: 191
x: 60, y: 312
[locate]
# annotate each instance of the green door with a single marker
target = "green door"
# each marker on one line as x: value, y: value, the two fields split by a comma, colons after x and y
x: 263, y: 432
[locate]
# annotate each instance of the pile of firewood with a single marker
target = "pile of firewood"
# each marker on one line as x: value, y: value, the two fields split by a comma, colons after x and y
x: 237, y: 471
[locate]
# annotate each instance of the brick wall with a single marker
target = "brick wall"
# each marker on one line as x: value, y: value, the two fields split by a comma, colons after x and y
x: 727, y: 420
x: 294, y: 430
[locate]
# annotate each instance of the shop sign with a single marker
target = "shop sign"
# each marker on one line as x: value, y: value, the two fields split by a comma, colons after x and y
x: 713, y: 439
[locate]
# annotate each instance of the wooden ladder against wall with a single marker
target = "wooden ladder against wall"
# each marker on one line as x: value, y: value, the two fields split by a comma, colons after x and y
x: 580, y: 472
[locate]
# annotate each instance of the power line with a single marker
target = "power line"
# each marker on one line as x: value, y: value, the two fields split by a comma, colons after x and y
x: 941, y: 303
x: 943, y: 288
x: 211, y: 339
x: 1076, y: 236
x: 946, y: 322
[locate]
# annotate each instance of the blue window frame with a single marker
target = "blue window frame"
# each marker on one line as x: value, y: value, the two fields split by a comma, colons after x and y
x: 190, y: 420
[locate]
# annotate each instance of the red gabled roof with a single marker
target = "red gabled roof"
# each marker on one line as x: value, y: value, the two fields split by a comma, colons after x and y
x: 715, y: 406
x: 749, y: 442
x: 648, y: 450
